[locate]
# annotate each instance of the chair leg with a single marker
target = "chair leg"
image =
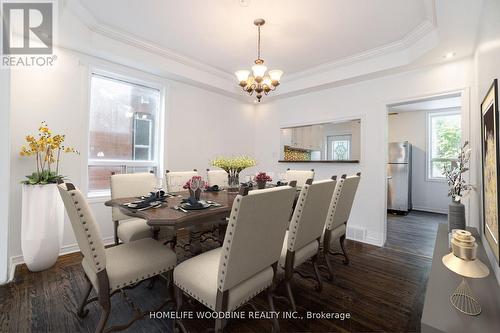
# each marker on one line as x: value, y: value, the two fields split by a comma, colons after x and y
x: 319, y: 287
x: 117, y: 240
x: 178, y: 298
x: 82, y: 312
x: 105, y: 303
x: 328, y: 266
x: 290, y: 294
x: 342, y: 246
x: 276, y: 325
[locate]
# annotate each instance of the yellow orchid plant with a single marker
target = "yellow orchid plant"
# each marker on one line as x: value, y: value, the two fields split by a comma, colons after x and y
x: 47, y: 150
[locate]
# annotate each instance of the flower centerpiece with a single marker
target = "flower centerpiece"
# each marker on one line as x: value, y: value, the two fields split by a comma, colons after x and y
x: 42, y: 207
x: 458, y: 187
x: 262, y: 178
x: 195, y: 185
x: 233, y: 166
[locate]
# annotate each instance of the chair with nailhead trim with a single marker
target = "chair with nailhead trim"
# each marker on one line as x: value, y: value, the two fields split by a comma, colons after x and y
x: 217, y: 177
x: 338, y: 215
x: 301, y: 176
x: 128, y: 229
x: 226, y: 278
x: 302, y: 240
x: 113, y: 269
x: 177, y: 179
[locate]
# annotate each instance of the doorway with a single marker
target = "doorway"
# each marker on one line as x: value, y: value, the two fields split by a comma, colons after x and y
x: 424, y: 136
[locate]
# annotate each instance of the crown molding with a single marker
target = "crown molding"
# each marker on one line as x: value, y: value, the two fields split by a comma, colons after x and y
x: 428, y: 26
x: 412, y: 37
x: 98, y: 27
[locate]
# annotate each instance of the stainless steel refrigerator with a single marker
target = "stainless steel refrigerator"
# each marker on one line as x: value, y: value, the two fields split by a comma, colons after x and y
x: 399, y: 177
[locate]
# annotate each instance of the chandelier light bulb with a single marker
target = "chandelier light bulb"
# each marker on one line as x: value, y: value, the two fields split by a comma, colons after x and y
x: 267, y: 81
x: 259, y: 70
x: 242, y: 75
x: 275, y: 75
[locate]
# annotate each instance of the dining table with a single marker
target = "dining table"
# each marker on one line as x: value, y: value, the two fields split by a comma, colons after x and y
x: 196, y: 222
x: 169, y: 215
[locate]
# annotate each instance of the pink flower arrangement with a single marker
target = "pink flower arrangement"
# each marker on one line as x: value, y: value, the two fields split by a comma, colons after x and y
x: 197, y: 181
x: 263, y: 177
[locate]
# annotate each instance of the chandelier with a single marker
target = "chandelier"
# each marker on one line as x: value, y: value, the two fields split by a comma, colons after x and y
x: 260, y: 82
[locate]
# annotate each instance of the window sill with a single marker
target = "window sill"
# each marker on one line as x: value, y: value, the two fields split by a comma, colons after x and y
x: 98, y: 197
x: 436, y: 180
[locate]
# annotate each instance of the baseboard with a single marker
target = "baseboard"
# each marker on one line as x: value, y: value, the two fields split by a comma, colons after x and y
x: 431, y: 210
x: 66, y: 249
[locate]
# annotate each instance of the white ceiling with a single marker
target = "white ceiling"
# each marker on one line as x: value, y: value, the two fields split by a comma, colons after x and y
x: 298, y: 35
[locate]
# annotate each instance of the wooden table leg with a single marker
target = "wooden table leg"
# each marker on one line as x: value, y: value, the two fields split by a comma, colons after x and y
x: 221, y: 232
x: 195, y: 241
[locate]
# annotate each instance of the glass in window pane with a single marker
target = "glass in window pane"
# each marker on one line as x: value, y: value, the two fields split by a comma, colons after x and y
x: 114, y: 105
x: 445, y: 141
x: 141, y: 154
x: 142, y: 132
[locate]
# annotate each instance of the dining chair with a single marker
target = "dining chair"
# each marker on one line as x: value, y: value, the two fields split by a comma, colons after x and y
x: 217, y: 177
x: 226, y: 278
x: 302, y: 240
x: 338, y: 215
x: 177, y: 179
x: 110, y: 270
x: 301, y: 176
x: 126, y: 228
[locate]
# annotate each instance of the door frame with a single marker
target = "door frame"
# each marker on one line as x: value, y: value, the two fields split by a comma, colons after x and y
x: 464, y: 94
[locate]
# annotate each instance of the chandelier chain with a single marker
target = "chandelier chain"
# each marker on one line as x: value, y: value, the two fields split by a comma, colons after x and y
x: 258, y: 46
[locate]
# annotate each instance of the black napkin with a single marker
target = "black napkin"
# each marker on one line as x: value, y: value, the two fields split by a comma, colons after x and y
x: 192, y: 202
x: 214, y: 188
x: 280, y: 183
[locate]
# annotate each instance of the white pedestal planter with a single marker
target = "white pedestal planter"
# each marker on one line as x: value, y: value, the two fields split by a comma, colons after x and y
x: 42, y: 226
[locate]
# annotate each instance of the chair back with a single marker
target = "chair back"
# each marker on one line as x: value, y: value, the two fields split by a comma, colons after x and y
x: 84, y: 226
x: 177, y: 179
x: 217, y: 177
x: 130, y: 185
x: 301, y: 176
x: 255, y: 234
x: 308, y: 220
x: 342, y: 200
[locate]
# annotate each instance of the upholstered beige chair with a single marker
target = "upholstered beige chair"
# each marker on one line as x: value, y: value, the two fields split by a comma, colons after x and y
x: 302, y: 240
x: 338, y: 215
x: 226, y: 278
x: 217, y: 177
x: 128, y: 229
x: 301, y: 176
x: 177, y: 179
x: 113, y: 269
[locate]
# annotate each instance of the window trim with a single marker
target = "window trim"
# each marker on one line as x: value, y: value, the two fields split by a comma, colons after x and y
x: 133, y: 77
x: 428, y: 153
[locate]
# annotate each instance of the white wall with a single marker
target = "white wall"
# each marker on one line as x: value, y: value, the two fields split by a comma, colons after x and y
x: 199, y: 126
x: 487, y: 69
x: 4, y: 171
x: 427, y: 195
x: 367, y: 100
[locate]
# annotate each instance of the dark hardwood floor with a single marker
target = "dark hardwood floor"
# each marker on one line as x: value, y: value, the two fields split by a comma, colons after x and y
x: 414, y: 233
x: 382, y: 289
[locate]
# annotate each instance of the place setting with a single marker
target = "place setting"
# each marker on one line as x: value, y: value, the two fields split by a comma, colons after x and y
x: 196, y: 185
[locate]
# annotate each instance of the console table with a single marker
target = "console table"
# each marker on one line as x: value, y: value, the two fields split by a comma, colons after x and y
x: 439, y: 315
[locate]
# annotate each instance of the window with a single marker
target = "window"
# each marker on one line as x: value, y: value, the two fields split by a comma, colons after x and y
x: 124, y: 130
x: 339, y: 147
x: 444, y: 137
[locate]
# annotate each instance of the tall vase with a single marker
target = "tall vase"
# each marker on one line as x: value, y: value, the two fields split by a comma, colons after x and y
x: 456, y: 216
x: 233, y: 181
x: 42, y: 225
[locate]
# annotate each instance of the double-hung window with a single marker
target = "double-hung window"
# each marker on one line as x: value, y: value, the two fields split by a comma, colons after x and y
x: 444, y: 142
x: 124, y: 129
